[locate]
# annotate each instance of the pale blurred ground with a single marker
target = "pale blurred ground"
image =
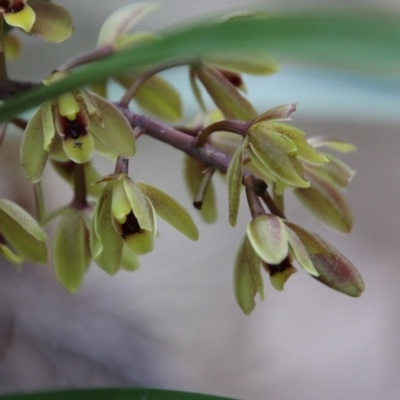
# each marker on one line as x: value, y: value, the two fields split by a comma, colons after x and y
x: 174, y: 323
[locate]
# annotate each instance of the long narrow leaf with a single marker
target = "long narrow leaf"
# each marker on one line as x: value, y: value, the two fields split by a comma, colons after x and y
x: 353, y: 40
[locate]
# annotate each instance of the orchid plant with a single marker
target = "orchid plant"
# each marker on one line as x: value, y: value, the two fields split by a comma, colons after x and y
x: 259, y: 153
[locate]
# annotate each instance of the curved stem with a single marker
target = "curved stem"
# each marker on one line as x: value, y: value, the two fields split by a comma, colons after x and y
x: 202, y: 190
x: 142, y: 78
x: 86, y: 58
x: 3, y: 67
x: 122, y: 166
x: 234, y: 126
x: 253, y: 200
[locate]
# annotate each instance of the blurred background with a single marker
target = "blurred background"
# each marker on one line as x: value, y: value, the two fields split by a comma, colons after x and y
x: 174, y: 323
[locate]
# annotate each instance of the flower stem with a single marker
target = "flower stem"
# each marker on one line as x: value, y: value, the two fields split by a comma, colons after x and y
x: 86, y: 58
x: 253, y: 200
x: 142, y: 78
x: 278, y: 200
x: 122, y: 166
x: 39, y: 202
x: 3, y: 67
x: 79, y: 201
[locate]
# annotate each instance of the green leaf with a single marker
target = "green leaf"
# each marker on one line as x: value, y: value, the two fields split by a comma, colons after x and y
x: 334, y: 269
x: 369, y: 42
x: 234, y: 178
x: 71, y: 255
x: 247, y: 62
x: 114, y: 394
x: 227, y: 98
x: 247, y: 277
x: 267, y: 235
x: 170, y: 210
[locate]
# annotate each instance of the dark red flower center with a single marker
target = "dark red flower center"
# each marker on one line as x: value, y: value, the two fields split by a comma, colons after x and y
x: 11, y: 6
x: 131, y: 225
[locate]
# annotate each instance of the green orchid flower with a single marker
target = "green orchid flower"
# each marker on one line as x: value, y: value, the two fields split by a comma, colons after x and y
x: 82, y: 121
x: 124, y: 222
x: 46, y: 20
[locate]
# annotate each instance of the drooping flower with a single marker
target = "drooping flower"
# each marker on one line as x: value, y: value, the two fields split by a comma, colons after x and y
x: 49, y: 21
x: 125, y: 225
x: 82, y: 121
x: 274, y: 243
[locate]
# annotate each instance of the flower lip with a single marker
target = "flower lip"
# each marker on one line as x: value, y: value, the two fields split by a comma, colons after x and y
x: 73, y: 129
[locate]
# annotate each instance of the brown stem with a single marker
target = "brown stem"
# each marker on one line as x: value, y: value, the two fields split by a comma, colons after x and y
x: 122, y: 166
x: 261, y: 190
x: 239, y: 127
x: 253, y: 200
x: 142, y: 78
x: 79, y: 201
x: 3, y: 66
x: 202, y: 190
x: 86, y: 58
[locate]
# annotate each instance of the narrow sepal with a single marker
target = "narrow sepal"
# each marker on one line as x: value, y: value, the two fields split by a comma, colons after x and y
x: 33, y: 155
x: 170, y: 210
x: 227, y: 98
x: 10, y: 256
x: 247, y: 277
x: 234, y: 180
x: 334, y: 269
x: 196, y: 89
x: 325, y: 201
x: 336, y: 170
x: 22, y: 232
x: 267, y: 235
x: 332, y: 144
x: 105, y: 243
x: 280, y: 113
x: 300, y: 253
x: 71, y: 255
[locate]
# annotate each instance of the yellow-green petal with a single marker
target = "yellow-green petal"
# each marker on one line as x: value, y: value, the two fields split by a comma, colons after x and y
x: 71, y: 255
x: 304, y: 150
x: 129, y: 261
x: 336, y: 170
x: 49, y: 128
x: 68, y: 106
x: 332, y: 143
x: 170, y: 210
x: 234, y: 180
x: 112, y: 128
x: 141, y: 206
x: 247, y: 277
x: 267, y: 235
x: 120, y: 205
x: 33, y: 155
x: 22, y: 232
x: 140, y: 242
x: 275, y: 151
x: 24, y: 19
